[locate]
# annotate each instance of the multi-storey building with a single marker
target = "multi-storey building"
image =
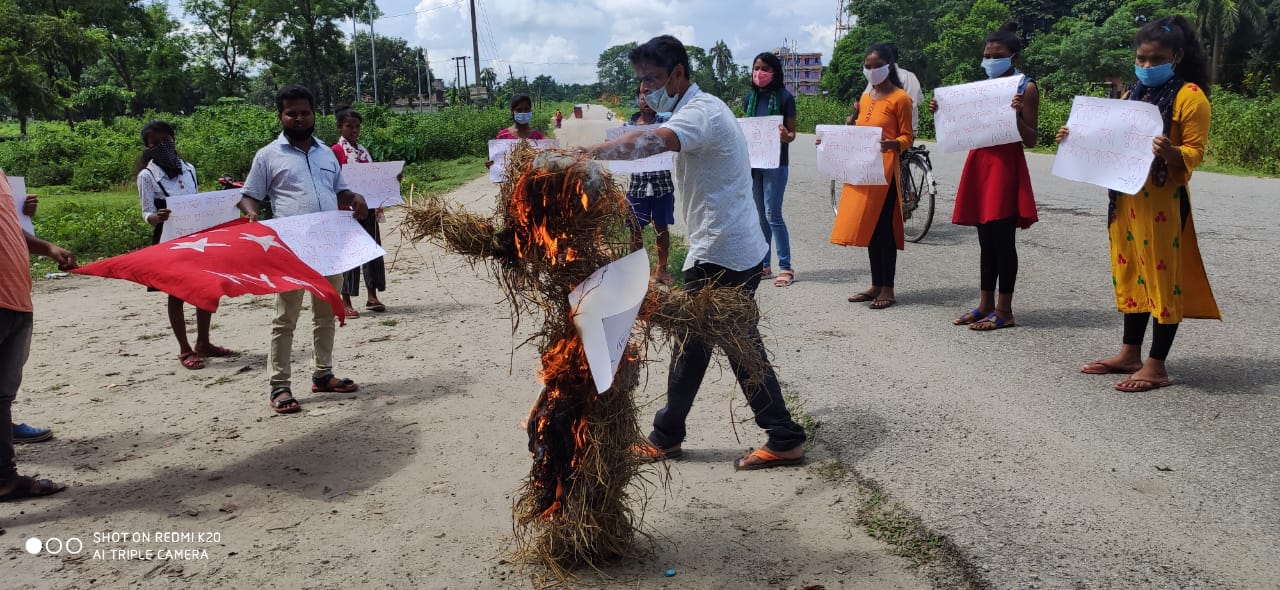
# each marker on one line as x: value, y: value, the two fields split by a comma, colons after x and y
x: 801, y: 71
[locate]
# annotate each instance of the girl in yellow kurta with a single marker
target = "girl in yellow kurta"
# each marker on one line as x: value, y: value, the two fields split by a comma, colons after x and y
x: 1155, y: 260
x: 868, y: 215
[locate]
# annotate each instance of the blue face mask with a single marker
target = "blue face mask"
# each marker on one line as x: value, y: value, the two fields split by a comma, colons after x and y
x: 995, y: 67
x: 522, y: 118
x: 1154, y: 77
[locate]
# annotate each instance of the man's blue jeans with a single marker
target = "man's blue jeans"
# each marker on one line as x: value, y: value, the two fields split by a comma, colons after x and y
x: 768, y: 185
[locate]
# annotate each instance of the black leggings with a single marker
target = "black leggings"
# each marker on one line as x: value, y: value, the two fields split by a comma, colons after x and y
x: 883, y: 249
x: 1135, y: 327
x: 999, y: 258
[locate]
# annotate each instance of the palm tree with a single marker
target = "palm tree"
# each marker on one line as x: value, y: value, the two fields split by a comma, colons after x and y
x: 721, y: 61
x: 488, y: 79
x: 1218, y: 20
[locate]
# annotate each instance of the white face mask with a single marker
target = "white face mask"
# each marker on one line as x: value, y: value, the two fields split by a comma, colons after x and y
x: 877, y: 75
x: 660, y: 101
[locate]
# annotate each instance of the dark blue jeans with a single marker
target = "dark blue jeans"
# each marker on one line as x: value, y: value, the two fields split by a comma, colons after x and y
x: 768, y: 186
x: 690, y: 363
x: 15, y: 346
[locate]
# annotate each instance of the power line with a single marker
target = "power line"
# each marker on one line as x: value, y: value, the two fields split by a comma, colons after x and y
x: 423, y: 10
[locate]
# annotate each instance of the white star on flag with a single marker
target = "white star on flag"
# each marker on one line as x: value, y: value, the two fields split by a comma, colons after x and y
x: 267, y: 242
x: 198, y: 245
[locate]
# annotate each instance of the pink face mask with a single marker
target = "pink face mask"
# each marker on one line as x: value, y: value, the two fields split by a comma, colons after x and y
x: 761, y: 78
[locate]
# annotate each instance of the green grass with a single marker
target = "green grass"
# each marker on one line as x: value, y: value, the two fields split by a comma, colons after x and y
x: 441, y: 176
x: 389, y: 323
x: 675, y: 259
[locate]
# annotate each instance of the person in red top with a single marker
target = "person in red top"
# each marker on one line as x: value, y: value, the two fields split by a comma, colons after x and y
x: 349, y: 150
x: 15, y: 335
x: 522, y: 114
x: 559, y: 118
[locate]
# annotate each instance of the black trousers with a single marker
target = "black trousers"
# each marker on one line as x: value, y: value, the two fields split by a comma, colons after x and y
x: 375, y: 272
x: 883, y: 249
x: 1135, y: 327
x: 999, y: 254
x: 690, y: 365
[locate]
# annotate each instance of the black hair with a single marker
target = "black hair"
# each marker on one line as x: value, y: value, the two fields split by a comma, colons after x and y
x: 294, y: 92
x: 156, y: 126
x: 345, y: 112
x: 1007, y: 35
x: 774, y: 64
x: 1176, y: 34
x: 887, y: 53
x: 519, y: 98
x: 663, y: 51
x: 893, y: 48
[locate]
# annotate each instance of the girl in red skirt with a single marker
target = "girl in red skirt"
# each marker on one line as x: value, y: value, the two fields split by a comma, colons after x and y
x: 995, y: 190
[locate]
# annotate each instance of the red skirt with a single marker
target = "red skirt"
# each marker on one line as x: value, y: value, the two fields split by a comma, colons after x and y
x: 995, y: 185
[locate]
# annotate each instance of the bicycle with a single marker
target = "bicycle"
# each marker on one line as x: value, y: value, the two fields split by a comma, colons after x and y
x: 919, y: 191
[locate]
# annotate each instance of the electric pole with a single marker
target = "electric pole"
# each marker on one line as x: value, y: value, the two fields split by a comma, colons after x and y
x: 356, y: 55
x: 475, y: 43
x: 373, y: 52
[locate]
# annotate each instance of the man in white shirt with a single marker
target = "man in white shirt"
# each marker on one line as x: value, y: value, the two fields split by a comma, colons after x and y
x: 712, y: 175
x: 910, y: 85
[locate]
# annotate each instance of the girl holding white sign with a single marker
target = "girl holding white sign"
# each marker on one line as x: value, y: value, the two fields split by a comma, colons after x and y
x: 349, y: 150
x: 995, y: 190
x: 1155, y: 260
x: 770, y: 97
x: 162, y: 174
x: 871, y: 216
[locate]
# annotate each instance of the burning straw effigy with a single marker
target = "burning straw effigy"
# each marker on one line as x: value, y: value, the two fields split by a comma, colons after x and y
x: 559, y: 218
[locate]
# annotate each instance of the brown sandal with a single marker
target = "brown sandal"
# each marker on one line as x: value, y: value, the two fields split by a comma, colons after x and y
x: 191, y: 360
x: 785, y: 278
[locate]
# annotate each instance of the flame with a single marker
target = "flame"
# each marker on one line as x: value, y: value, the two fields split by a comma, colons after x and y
x: 563, y: 364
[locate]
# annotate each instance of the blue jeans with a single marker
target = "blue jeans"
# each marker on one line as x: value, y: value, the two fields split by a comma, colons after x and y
x: 767, y: 185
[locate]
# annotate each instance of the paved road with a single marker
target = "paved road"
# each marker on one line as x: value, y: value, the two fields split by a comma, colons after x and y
x: 1043, y: 476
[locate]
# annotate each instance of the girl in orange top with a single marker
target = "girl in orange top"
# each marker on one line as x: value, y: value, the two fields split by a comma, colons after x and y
x: 871, y: 215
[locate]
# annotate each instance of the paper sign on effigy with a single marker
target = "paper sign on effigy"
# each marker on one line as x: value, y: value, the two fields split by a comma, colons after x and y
x: 18, y: 184
x: 331, y: 242
x: 498, y: 149
x: 851, y: 154
x: 764, y: 142
x: 657, y: 163
x: 1110, y: 143
x: 189, y: 214
x: 977, y: 115
x: 376, y: 182
x: 604, y: 310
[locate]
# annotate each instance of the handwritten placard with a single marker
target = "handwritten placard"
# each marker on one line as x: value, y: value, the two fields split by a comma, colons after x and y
x: 498, y: 149
x: 851, y: 154
x: 189, y: 214
x: 764, y: 141
x: 605, y: 307
x: 1109, y: 143
x: 376, y: 182
x: 18, y: 184
x: 331, y: 242
x: 977, y: 115
x: 660, y: 162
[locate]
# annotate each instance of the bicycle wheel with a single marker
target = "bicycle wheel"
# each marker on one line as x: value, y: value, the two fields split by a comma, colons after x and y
x: 835, y: 196
x: 918, y: 193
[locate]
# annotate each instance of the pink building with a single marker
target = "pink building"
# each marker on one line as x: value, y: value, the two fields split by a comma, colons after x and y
x: 801, y: 71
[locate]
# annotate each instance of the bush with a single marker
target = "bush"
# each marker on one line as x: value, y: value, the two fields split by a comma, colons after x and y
x: 1243, y: 130
x: 92, y: 230
x: 812, y: 111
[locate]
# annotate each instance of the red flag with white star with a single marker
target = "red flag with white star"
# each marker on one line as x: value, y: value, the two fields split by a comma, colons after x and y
x: 232, y: 259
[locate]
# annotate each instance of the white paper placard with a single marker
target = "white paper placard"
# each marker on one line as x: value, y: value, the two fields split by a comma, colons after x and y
x: 19, y: 186
x: 976, y: 115
x: 331, y: 242
x: 1109, y: 143
x: 851, y: 154
x: 498, y: 149
x: 189, y: 214
x: 764, y: 141
x: 658, y: 163
x: 376, y: 182
x: 604, y: 311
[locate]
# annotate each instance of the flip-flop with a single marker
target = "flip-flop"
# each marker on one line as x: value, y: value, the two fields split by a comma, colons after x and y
x: 883, y: 303
x: 994, y: 321
x: 1102, y: 368
x: 861, y: 298
x: 648, y: 453
x: 288, y: 406
x: 975, y: 315
x: 766, y: 460
x: 352, y: 313
x: 1141, y: 385
x: 191, y: 360
x: 22, y: 489
x: 378, y: 307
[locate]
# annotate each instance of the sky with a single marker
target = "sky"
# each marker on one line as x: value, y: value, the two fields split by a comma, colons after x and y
x: 564, y: 38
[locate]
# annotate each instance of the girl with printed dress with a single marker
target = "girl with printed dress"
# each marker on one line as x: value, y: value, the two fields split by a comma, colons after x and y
x: 163, y: 174
x: 995, y: 190
x: 1156, y: 269
x: 349, y: 150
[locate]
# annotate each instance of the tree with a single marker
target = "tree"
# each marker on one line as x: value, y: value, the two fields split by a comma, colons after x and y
x: 146, y: 55
x: 721, y: 61
x: 489, y: 79
x: 842, y: 77
x: 228, y: 41
x: 308, y: 47
x: 24, y: 81
x: 1079, y: 52
x: 957, y: 52
x: 613, y: 70
x: 1218, y: 20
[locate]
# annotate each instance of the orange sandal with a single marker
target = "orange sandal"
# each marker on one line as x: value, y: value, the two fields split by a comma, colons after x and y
x: 765, y: 459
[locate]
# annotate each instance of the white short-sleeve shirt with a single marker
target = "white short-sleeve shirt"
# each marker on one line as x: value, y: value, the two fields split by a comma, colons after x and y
x: 153, y: 184
x: 712, y: 175
x: 298, y: 182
